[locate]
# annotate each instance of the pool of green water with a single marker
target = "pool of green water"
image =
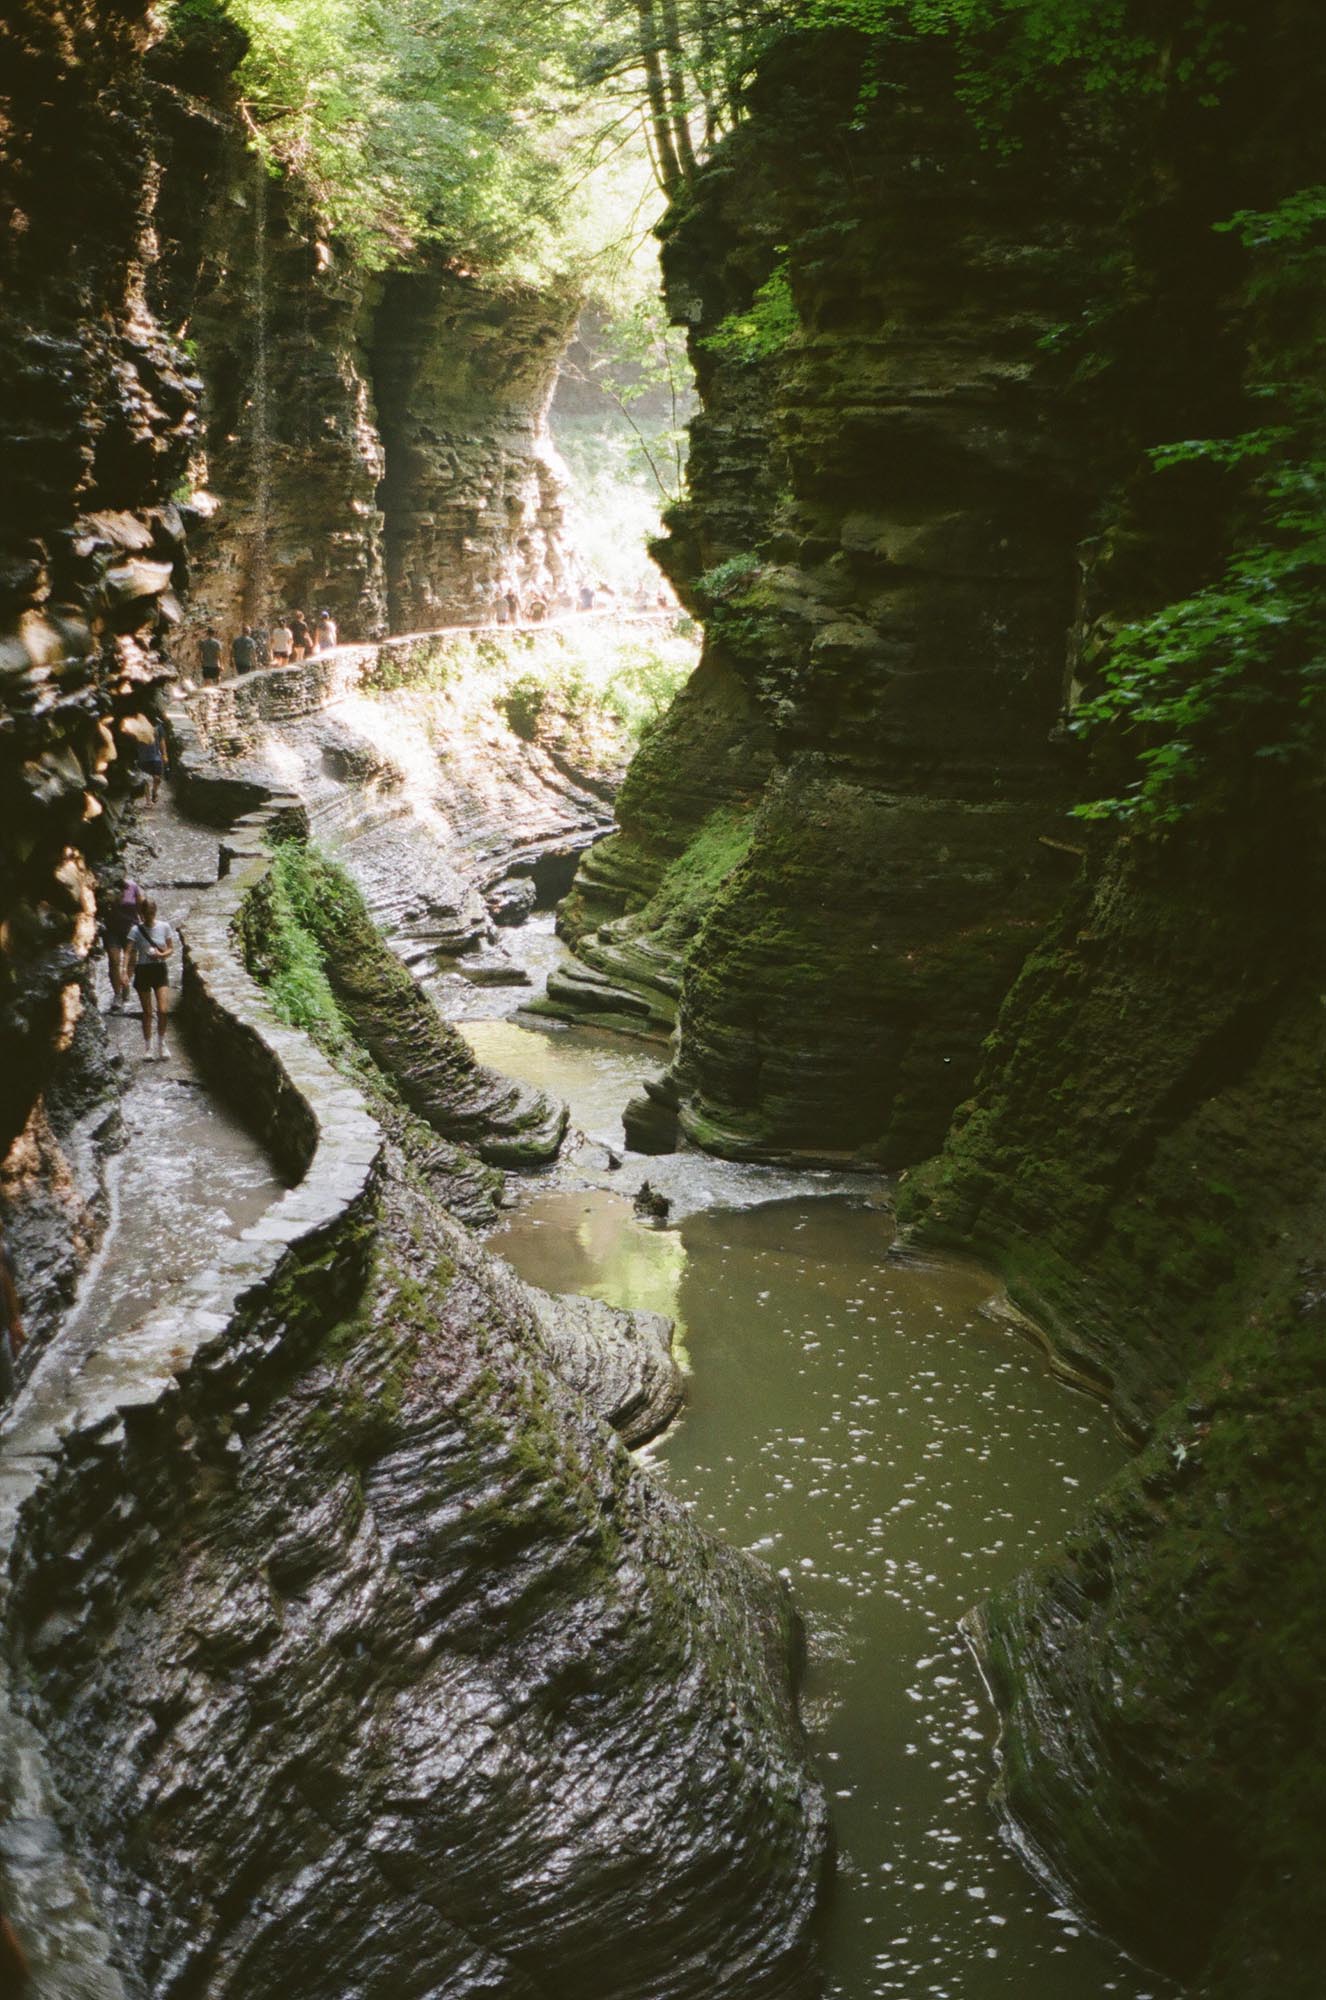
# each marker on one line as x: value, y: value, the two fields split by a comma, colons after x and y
x: 867, y: 1429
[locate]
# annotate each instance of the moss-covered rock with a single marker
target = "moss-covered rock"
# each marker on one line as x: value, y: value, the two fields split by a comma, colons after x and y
x: 1163, y: 1743
x: 878, y: 535
x: 326, y: 957
x: 1145, y: 1159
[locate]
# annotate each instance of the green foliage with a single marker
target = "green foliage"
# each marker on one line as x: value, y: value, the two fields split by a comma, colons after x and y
x: 409, y: 124
x: 278, y: 932
x: 726, y: 578
x: 1228, y: 672
x: 595, y: 677
x: 769, y: 325
x: 1235, y: 672
x: 639, y: 363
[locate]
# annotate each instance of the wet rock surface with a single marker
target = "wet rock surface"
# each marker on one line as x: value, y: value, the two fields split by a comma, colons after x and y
x: 407, y: 765
x: 97, y: 414
x: 53, y: 1181
x: 433, y: 1616
x: 376, y: 1556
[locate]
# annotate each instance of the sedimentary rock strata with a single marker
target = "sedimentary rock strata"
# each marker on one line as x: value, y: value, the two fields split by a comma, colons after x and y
x: 886, y: 605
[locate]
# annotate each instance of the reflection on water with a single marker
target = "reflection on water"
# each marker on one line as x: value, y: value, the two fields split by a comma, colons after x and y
x: 863, y: 1428
x: 595, y: 1072
x: 896, y: 1455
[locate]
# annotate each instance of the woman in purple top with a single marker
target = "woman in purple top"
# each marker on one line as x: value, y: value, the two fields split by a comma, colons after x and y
x: 119, y: 914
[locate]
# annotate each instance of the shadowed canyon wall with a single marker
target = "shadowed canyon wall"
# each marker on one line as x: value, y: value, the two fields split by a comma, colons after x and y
x: 881, y: 536
x: 844, y: 866
x: 1142, y: 1154
x: 97, y: 418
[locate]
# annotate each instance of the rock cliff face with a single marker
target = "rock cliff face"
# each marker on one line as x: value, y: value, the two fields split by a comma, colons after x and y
x: 97, y: 418
x: 1142, y: 1156
x: 946, y: 534
x: 887, y: 600
x: 363, y: 1655
x: 472, y: 488
x: 372, y: 443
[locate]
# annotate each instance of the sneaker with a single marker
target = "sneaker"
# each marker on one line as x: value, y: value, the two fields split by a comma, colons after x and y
x: 149, y: 1055
x: 163, y: 1053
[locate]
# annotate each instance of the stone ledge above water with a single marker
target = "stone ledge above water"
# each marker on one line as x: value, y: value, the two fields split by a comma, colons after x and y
x: 137, y: 1392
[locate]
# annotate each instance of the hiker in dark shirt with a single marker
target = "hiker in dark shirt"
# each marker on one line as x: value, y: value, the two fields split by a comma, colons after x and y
x: 303, y: 638
x: 243, y: 651
x: 154, y: 761
x: 209, y: 655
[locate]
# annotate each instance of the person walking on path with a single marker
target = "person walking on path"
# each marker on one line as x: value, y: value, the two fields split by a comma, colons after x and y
x: 209, y: 655
x: 151, y: 942
x: 326, y: 632
x: 243, y: 651
x: 282, y: 641
x: 154, y: 761
x: 512, y: 608
x: 119, y: 913
x: 299, y: 632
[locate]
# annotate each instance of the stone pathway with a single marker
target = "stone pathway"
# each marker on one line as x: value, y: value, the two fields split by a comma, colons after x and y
x: 189, y: 1177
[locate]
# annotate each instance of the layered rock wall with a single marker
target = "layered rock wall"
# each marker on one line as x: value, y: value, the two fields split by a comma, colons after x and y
x: 374, y: 1624
x: 1142, y: 1157
x: 189, y: 434
x: 472, y: 488
x: 370, y: 443
x: 888, y: 604
x: 97, y: 419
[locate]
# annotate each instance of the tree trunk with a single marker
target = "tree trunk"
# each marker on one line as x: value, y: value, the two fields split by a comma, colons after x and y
x: 666, y: 164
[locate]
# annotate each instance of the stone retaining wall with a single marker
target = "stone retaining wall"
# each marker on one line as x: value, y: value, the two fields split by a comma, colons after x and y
x: 228, y: 710
x: 154, y: 1408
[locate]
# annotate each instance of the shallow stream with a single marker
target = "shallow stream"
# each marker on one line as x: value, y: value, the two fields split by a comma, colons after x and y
x: 866, y: 1429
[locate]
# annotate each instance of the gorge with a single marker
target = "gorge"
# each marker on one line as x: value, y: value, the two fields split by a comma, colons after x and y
x: 421, y: 1572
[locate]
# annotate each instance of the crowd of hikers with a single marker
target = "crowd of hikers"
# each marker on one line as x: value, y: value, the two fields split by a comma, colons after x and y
x: 294, y: 637
x: 290, y: 638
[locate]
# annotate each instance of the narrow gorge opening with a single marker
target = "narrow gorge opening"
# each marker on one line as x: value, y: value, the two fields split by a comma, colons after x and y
x: 686, y: 637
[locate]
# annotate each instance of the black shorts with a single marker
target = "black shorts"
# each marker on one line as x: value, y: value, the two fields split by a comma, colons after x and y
x: 147, y: 978
x: 117, y: 936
